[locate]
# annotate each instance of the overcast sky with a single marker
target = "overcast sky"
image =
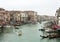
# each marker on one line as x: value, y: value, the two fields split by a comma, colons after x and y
x: 43, y: 7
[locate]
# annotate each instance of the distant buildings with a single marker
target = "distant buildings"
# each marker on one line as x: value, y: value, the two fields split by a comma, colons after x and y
x: 46, y: 18
x: 17, y: 17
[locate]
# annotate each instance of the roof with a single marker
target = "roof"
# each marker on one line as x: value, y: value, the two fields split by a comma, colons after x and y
x: 1, y: 9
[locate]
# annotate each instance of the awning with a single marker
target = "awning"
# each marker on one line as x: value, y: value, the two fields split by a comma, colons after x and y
x: 55, y: 26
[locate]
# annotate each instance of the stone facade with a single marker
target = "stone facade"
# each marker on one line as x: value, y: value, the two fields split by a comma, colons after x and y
x: 58, y: 16
x: 4, y: 16
x: 11, y: 17
x: 32, y: 16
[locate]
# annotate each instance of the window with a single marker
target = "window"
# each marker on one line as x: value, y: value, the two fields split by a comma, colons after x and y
x: 58, y: 17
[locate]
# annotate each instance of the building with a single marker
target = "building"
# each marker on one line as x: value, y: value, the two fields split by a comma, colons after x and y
x: 58, y: 16
x: 4, y: 16
x: 42, y: 18
x: 24, y: 17
x: 32, y: 16
x: 13, y: 16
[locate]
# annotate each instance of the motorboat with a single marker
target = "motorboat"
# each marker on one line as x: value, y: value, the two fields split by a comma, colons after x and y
x: 41, y: 29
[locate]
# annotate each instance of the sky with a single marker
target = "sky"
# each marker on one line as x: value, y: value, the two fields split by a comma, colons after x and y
x: 42, y: 7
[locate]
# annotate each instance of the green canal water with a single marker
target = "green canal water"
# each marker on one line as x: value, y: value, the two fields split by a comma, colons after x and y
x: 30, y: 33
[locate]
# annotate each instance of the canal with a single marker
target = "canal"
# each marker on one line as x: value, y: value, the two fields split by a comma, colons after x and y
x: 30, y: 33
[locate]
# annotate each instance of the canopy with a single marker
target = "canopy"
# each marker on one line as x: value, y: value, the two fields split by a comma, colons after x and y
x: 55, y: 26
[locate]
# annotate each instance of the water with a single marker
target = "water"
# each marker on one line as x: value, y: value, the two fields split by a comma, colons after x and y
x: 30, y: 33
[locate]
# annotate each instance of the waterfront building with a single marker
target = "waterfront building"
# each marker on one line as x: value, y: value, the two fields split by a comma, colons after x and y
x: 32, y: 16
x: 58, y: 16
x: 13, y: 16
x: 4, y: 16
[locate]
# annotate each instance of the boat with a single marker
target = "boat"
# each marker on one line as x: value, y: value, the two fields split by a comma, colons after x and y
x: 41, y: 29
x: 8, y: 26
